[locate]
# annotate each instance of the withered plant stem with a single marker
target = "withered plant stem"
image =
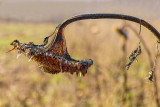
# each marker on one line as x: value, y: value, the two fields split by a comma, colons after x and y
x: 155, y: 82
x: 155, y: 78
x: 124, y: 73
x: 110, y: 16
x: 143, y: 43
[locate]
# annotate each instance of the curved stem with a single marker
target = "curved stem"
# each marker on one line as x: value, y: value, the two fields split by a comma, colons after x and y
x: 111, y: 16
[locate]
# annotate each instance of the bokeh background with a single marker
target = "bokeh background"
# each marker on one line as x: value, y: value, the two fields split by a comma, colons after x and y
x: 23, y: 84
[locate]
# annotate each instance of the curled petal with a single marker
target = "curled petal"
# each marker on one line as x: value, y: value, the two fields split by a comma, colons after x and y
x: 19, y: 55
x: 30, y: 58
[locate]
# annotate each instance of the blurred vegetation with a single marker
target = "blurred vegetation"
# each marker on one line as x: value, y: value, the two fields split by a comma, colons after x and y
x: 23, y: 84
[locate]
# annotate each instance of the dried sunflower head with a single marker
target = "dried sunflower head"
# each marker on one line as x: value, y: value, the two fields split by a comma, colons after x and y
x: 53, y: 58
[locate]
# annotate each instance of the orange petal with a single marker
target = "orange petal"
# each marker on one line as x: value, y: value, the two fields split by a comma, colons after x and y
x: 14, y: 49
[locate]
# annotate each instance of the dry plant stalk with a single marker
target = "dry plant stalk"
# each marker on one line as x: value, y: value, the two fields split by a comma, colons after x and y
x: 126, y: 25
x: 133, y: 55
x: 123, y: 34
x: 152, y: 75
x: 125, y: 76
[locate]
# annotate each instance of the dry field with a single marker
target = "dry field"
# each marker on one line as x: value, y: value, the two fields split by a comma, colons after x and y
x: 23, y: 84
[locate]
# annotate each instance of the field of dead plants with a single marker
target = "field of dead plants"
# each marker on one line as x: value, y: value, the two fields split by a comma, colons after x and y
x: 107, y: 83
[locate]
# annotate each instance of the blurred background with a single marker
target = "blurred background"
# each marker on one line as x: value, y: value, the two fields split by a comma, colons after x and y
x: 107, y: 83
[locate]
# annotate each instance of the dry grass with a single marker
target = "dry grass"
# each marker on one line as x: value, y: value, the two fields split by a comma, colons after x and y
x: 23, y: 84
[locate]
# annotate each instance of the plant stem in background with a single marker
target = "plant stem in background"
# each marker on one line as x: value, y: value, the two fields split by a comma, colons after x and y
x: 124, y: 86
x: 153, y: 72
x: 142, y: 41
x: 155, y: 84
x: 122, y: 33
